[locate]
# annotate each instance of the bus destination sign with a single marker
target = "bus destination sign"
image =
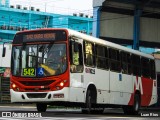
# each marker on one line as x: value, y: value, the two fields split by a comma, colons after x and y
x: 39, y: 37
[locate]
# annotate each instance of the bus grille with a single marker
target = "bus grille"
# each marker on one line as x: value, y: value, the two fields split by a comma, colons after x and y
x: 37, y: 83
x: 36, y: 89
x: 36, y: 95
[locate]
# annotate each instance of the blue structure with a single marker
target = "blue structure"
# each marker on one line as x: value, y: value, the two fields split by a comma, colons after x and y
x: 96, y: 22
x: 136, y: 31
x: 16, y: 18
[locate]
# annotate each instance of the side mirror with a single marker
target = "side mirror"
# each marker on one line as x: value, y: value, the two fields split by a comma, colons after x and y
x: 76, y: 47
x: 4, y: 52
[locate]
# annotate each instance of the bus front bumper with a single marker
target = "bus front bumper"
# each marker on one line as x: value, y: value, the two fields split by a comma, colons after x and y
x: 60, y: 95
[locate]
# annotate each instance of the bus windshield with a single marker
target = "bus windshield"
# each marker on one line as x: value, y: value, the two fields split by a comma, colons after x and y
x: 39, y: 60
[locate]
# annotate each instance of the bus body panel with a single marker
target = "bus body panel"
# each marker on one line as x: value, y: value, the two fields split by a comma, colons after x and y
x: 154, y: 93
x: 77, y: 95
x: 127, y: 83
x: 100, y: 79
x: 77, y: 87
x: 17, y: 96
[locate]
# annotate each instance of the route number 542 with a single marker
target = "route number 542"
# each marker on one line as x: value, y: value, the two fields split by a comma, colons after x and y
x: 31, y: 72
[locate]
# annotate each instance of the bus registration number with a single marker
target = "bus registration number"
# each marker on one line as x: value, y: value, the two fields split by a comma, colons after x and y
x: 31, y: 72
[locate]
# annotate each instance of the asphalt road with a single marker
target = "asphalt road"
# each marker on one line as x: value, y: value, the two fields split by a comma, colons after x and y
x: 20, y: 111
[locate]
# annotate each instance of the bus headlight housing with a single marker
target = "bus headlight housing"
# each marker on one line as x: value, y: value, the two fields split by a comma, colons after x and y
x: 14, y: 87
x: 61, y: 85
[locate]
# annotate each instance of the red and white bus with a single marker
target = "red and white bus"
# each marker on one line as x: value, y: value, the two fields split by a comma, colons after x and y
x: 65, y: 67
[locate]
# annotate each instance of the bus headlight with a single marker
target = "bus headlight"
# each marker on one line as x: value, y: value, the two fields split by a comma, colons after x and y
x: 14, y: 87
x: 61, y: 84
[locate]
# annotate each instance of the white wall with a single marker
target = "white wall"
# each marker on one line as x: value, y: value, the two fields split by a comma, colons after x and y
x: 150, y: 29
x: 121, y: 26
x: 5, y: 61
x: 116, y: 25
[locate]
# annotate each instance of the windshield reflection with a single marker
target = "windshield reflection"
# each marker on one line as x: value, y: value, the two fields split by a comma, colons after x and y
x: 39, y: 60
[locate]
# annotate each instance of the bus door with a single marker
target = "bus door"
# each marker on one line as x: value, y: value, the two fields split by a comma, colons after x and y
x: 76, y: 69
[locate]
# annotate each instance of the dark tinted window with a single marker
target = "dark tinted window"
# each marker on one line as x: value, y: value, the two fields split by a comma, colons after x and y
x: 136, y: 62
x: 152, y: 69
x: 101, y: 57
x: 114, y: 60
x: 126, y: 63
x: 145, y: 64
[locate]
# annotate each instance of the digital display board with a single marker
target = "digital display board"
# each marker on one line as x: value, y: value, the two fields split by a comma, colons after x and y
x: 29, y: 72
x: 40, y: 36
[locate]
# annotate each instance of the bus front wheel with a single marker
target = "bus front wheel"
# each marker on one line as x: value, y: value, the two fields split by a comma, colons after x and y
x: 41, y: 107
x: 88, y: 106
x: 90, y: 103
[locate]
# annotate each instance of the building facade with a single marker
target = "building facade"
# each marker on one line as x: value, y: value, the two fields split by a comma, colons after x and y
x: 133, y: 23
x: 18, y: 18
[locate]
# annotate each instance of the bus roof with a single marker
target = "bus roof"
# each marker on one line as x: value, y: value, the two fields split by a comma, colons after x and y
x: 96, y: 40
x: 110, y: 44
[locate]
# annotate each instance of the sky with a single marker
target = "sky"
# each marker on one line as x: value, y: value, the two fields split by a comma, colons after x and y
x: 58, y: 6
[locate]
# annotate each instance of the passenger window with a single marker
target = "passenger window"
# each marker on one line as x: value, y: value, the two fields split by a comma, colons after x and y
x: 145, y: 64
x: 152, y: 69
x: 136, y: 63
x: 126, y: 63
x: 89, y: 54
x: 76, y: 57
x: 101, y: 57
x: 114, y: 56
x: 129, y: 64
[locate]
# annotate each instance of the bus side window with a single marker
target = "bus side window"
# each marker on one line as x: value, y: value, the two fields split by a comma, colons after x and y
x: 101, y: 57
x: 89, y: 54
x: 129, y: 64
x: 126, y: 63
x: 114, y: 60
x: 76, y: 57
x: 152, y: 69
x: 136, y: 63
x: 145, y: 65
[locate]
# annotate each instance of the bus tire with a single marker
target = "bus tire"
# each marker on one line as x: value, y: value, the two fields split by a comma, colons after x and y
x: 133, y: 110
x: 41, y: 107
x: 88, y: 104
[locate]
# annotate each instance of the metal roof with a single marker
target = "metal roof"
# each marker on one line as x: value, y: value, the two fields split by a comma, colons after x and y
x: 146, y: 3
